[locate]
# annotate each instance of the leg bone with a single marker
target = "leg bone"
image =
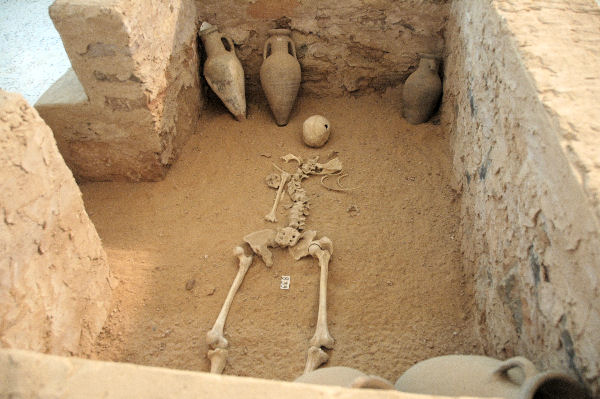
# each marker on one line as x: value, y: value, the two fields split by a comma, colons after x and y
x: 316, y: 357
x: 322, y: 250
x: 271, y: 215
x: 218, y: 359
x: 215, y: 338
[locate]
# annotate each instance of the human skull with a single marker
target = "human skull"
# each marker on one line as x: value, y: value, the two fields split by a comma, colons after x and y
x: 315, y: 131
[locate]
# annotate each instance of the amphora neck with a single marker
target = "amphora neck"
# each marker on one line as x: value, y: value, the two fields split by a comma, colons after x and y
x: 213, y: 42
x: 280, y: 40
x: 429, y: 62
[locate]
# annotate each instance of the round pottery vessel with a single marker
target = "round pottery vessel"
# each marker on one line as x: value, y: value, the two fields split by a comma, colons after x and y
x: 223, y: 71
x: 316, y: 130
x: 280, y: 74
x: 422, y: 91
x: 480, y: 376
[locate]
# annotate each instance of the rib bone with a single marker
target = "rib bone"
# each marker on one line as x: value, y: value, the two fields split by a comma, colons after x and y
x: 218, y: 359
x: 271, y: 215
x: 322, y: 250
x: 215, y: 338
x: 316, y: 357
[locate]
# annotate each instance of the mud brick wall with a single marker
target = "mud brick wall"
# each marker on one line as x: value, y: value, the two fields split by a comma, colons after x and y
x: 350, y: 46
x: 54, y: 278
x: 134, y: 96
x: 522, y: 81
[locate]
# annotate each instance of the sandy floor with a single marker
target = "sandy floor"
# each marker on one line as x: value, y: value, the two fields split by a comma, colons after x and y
x: 397, y: 292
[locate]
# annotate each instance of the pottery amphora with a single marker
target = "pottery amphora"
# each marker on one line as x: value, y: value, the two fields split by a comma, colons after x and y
x: 480, y: 376
x: 422, y: 91
x: 344, y: 377
x: 280, y: 74
x: 223, y: 71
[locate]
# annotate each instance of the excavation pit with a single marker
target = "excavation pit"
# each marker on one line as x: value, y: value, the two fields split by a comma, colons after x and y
x: 475, y: 233
x: 396, y: 293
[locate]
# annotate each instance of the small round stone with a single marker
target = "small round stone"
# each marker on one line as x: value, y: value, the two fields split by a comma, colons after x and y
x: 315, y: 131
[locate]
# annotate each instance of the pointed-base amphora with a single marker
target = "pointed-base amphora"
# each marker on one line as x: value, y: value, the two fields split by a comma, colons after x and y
x: 280, y: 74
x: 223, y: 71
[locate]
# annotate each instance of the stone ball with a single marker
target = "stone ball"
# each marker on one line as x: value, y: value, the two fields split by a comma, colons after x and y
x: 315, y: 131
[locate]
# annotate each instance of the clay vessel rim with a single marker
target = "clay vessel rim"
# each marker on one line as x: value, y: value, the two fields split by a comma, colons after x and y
x: 279, y: 31
x: 430, y: 56
x: 208, y: 30
x: 533, y: 384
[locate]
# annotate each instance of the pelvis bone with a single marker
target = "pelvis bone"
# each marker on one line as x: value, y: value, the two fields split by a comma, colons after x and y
x: 260, y: 241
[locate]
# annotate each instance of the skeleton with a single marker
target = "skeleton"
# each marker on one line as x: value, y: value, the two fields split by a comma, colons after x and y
x: 300, y: 207
x: 300, y: 243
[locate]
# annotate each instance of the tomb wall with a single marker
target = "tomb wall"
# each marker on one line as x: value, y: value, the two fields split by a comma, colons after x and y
x: 522, y: 79
x: 55, y: 282
x: 133, y: 96
x: 356, y: 45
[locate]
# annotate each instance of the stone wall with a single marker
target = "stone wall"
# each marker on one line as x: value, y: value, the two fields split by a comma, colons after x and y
x: 133, y: 96
x: 522, y: 81
x: 342, y: 47
x: 54, y: 278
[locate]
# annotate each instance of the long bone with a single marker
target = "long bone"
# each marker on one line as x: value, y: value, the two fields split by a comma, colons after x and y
x: 218, y: 359
x: 271, y: 215
x: 215, y: 338
x: 322, y: 250
x: 316, y: 357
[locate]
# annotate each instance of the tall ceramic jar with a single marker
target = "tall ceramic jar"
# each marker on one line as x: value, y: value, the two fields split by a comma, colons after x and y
x: 422, y: 91
x: 280, y: 74
x: 480, y: 376
x: 223, y: 71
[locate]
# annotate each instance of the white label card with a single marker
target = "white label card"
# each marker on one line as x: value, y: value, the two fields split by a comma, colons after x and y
x: 285, y: 283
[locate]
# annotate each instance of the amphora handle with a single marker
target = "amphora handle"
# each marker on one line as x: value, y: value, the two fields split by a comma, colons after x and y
x: 528, y: 368
x: 229, y: 42
x: 291, y: 47
x: 267, y: 48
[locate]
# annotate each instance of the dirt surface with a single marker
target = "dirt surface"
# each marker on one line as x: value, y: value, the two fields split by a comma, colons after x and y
x: 397, y: 292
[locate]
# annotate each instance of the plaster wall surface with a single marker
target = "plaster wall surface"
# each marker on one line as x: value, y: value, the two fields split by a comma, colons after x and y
x: 342, y: 47
x: 520, y: 101
x: 133, y: 96
x: 54, y: 278
x: 31, y: 52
